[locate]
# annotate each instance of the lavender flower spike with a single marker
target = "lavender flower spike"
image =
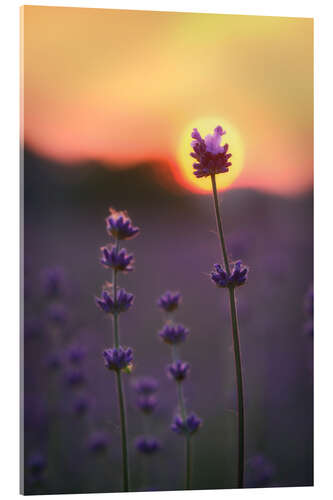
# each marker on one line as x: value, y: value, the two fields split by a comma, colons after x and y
x: 116, y: 259
x: 188, y: 426
x: 98, y: 442
x: 173, y: 334
x: 123, y: 303
x: 119, y: 225
x: 211, y: 158
x: 118, y: 358
x: 147, y: 445
x: 178, y: 370
x: 145, y: 386
x: 147, y: 404
x: 169, y: 301
x: 237, y: 276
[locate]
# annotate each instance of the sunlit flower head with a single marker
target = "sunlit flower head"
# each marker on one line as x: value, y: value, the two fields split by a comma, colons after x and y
x: 211, y: 158
x: 119, y: 225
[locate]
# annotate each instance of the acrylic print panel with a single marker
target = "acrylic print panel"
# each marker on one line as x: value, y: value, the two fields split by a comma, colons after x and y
x: 168, y: 250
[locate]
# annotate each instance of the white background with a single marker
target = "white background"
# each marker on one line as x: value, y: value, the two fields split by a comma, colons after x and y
x: 10, y: 235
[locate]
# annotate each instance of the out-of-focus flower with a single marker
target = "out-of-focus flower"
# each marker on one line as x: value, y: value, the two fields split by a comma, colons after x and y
x: 260, y: 471
x: 36, y: 466
x: 54, y: 361
x: 118, y: 358
x: 119, y: 225
x: 33, y: 328
x: 122, y: 304
x: 173, y: 334
x: 53, y: 282
x: 189, y: 426
x: 308, y: 328
x: 116, y: 259
x: 169, y: 301
x: 57, y: 314
x: 147, y: 445
x: 81, y: 405
x: 211, y: 158
x: 178, y: 370
x: 147, y: 404
x: 76, y: 354
x: 75, y: 378
x: 237, y: 277
x: 145, y: 385
x: 98, y: 442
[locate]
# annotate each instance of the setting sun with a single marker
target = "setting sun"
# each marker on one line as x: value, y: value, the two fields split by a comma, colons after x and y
x: 206, y: 126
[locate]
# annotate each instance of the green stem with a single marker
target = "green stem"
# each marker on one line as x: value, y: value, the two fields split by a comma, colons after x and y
x: 219, y: 225
x: 122, y: 413
x: 235, y: 334
x: 121, y: 397
x: 187, y: 437
x: 188, y: 462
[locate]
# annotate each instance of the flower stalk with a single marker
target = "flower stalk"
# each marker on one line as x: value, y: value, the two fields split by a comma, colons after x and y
x: 120, y: 391
x: 173, y: 335
x: 212, y: 158
x: 236, y: 344
x: 114, y: 302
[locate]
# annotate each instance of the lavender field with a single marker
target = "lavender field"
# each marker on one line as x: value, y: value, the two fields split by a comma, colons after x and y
x: 71, y: 425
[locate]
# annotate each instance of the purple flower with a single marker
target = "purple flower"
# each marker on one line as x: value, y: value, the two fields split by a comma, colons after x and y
x: 123, y: 303
x: 178, y: 370
x: 75, y: 378
x: 147, y: 445
x: 173, y: 334
x: 53, y: 282
x: 147, y: 404
x: 117, y: 259
x: 98, y: 442
x: 118, y: 358
x: 237, y: 277
x: 76, y: 354
x: 81, y: 406
x: 169, y: 301
x: 37, y: 465
x: 308, y: 328
x: 211, y: 158
x: 119, y: 225
x: 189, y: 426
x: 261, y: 471
x: 53, y: 361
x: 57, y: 313
x: 145, y: 385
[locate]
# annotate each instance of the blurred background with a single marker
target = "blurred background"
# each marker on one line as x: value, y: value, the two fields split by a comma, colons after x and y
x: 109, y: 101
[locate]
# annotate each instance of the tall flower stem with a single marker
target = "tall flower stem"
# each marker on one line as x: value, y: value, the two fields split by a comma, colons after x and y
x: 182, y: 409
x: 120, y: 390
x: 235, y: 333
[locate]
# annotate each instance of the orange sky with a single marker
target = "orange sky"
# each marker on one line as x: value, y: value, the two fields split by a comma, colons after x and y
x: 123, y: 86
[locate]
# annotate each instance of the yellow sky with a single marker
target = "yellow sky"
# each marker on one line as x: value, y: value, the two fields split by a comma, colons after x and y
x: 122, y: 86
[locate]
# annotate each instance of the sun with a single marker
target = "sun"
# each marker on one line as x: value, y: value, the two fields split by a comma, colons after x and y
x: 206, y: 125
